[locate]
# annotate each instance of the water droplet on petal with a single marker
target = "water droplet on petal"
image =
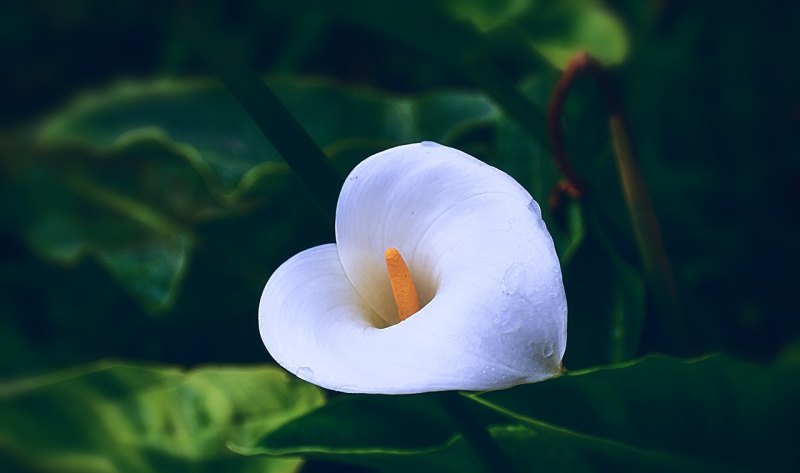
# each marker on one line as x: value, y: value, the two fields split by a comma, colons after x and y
x: 306, y: 373
x: 506, y: 325
x: 534, y: 207
x: 512, y: 279
x: 512, y: 327
x: 547, y: 350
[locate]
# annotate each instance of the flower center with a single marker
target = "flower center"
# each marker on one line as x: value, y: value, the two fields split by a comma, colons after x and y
x: 403, y: 289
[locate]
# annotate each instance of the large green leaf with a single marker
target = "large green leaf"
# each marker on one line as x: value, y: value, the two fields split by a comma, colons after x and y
x: 556, y: 30
x: 201, y: 121
x: 131, y: 210
x: 726, y: 413
x: 126, y: 175
x: 656, y: 414
x: 390, y: 433
x: 115, y: 417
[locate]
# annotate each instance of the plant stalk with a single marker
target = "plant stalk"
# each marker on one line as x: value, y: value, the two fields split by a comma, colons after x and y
x: 304, y: 157
x: 486, y: 449
x: 647, y: 232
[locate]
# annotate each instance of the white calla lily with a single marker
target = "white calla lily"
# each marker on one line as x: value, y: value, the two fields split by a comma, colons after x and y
x: 493, y: 313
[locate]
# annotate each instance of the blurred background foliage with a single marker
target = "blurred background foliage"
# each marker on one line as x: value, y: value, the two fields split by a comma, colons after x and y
x: 142, y: 211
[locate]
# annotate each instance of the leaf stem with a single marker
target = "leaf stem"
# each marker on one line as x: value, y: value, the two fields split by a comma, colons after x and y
x: 304, y: 157
x: 647, y: 232
x: 491, y: 456
x: 572, y: 185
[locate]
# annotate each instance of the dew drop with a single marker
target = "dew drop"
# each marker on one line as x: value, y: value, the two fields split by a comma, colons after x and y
x: 511, y: 327
x: 547, y: 350
x: 306, y: 373
x: 534, y: 207
x: 512, y: 279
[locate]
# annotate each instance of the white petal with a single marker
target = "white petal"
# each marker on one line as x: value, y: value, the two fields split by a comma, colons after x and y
x: 480, y: 255
x: 308, y: 315
x: 482, y: 259
x: 317, y: 327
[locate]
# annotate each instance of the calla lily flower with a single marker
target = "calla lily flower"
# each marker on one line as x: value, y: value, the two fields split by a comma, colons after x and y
x: 459, y: 242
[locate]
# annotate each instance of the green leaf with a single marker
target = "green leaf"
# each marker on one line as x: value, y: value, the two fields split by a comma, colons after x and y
x: 201, y: 121
x: 458, y: 31
x: 556, y: 30
x: 128, y: 174
x: 527, y: 447
x: 196, y: 118
x: 717, y: 411
x: 591, y: 29
x: 655, y: 414
x: 349, y: 423
x: 131, y: 211
x: 116, y: 417
x: 389, y: 433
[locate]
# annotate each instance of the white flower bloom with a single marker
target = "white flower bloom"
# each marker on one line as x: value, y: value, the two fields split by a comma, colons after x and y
x: 493, y: 315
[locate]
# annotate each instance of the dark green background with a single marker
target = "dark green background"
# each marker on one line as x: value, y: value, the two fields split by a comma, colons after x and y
x: 711, y: 94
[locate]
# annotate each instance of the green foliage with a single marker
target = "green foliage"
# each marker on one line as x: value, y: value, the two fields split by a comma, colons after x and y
x: 161, y: 196
x: 116, y: 417
x: 118, y: 178
x: 654, y: 414
x: 607, y: 316
x: 556, y: 30
x: 131, y: 194
x: 712, y: 410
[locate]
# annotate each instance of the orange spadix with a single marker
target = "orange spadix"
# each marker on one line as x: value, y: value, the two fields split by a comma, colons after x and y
x: 403, y: 289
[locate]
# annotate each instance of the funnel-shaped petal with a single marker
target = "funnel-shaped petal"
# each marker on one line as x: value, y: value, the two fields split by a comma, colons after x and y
x: 494, y: 310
